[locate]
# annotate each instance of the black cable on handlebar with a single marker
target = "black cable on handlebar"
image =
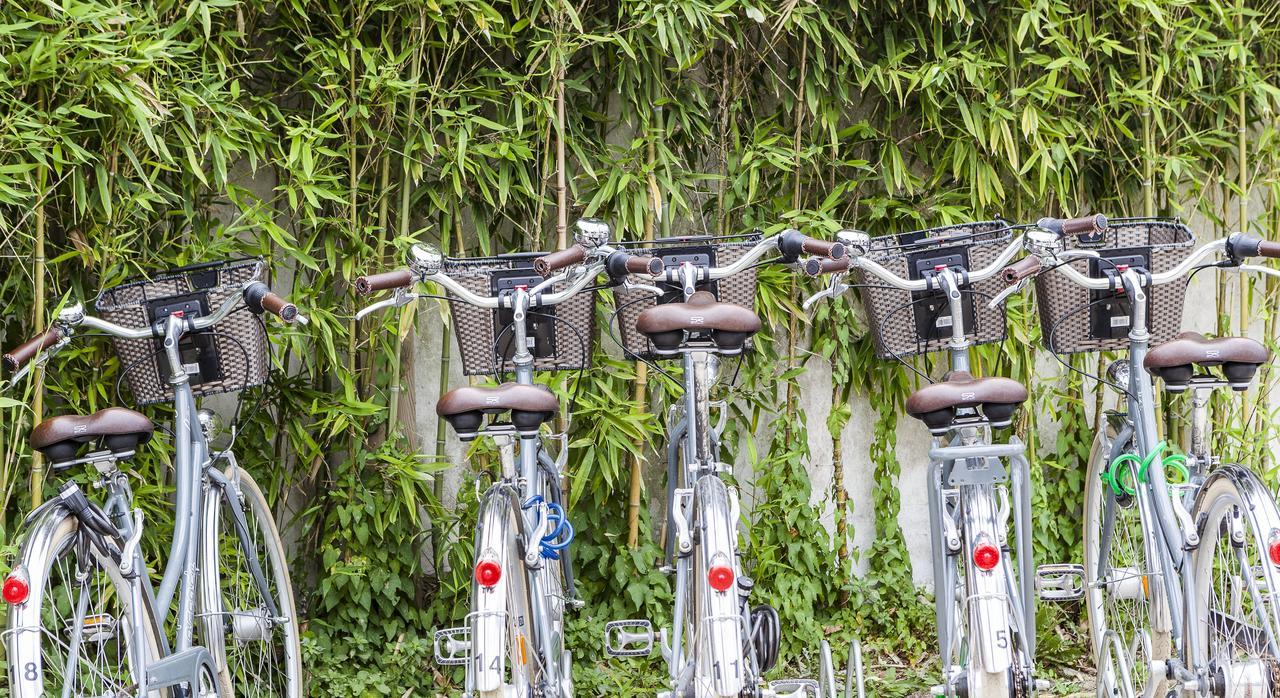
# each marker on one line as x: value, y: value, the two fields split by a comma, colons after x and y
x: 1049, y: 344
x: 613, y: 320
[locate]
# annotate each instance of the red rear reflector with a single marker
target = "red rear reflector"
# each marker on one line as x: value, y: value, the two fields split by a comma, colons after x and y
x: 16, y: 588
x: 488, y: 573
x: 720, y: 577
x: 986, y: 556
x: 1273, y: 551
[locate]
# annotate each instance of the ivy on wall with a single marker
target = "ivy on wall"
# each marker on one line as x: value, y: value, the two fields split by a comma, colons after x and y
x: 325, y: 135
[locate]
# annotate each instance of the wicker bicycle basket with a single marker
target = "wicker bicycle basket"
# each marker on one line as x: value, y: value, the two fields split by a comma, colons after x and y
x: 560, y: 336
x: 906, y: 323
x: 739, y: 289
x: 229, y: 356
x: 1083, y: 320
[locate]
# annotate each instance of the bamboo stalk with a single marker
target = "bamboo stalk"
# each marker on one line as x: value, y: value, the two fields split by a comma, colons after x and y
x: 1242, y: 157
x: 562, y: 194
x: 798, y: 118
x: 37, y: 400
x: 642, y: 380
x: 1148, y: 135
x: 406, y: 189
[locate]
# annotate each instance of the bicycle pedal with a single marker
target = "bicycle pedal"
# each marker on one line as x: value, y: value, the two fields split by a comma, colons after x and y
x: 97, y: 628
x: 1060, y: 582
x: 453, y: 646
x: 794, y: 688
x: 628, y: 638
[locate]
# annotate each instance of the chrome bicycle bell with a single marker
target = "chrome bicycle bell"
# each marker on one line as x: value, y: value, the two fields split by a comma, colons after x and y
x: 425, y: 260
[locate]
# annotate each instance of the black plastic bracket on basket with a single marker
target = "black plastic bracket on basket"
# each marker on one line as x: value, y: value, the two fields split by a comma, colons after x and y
x: 1109, y: 310
x: 932, y: 310
x: 198, y: 350
x: 672, y: 258
x: 540, y: 324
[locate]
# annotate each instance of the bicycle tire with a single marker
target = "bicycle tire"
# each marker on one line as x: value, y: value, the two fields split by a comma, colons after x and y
x: 233, y: 618
x: 551, y: 582
x: 720, y: 666
x: 1226, y: 639
x: 500, y: 614
x: 34, y: 639
x: 1108, y: 602
x: 978, y: 515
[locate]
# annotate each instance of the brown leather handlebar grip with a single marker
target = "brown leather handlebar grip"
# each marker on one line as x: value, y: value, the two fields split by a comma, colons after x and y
x: 549, y: 264
x: 381, y: 282
x: 1269, y: 248
x: 826, y: 248
x: 644, y: 265
x: 815, y: 266
x: 1084, y: 225
x: 28, y: 350
x: 281, y: 307
x: 1021, y: 269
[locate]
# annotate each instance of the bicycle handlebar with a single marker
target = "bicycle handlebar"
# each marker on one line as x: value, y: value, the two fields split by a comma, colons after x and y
x: 900, y: 283
x: 618, y: 264
x: 815, y: 266
x: 255, y: 294
x: 555, y: 261
x: 1073, y: 227
x: 28, y: 350
x: 1021, y: 269
x: 400, y: 278
x: 792, y: 243
x: 259, y: 297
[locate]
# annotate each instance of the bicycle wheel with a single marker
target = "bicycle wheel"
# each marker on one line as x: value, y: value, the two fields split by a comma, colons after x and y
x: 552, y: 585
x: 988, y: 647
x: 1121, y: 591
x: 247, y: 617
x: 74, y: 634
x: 716, y: 642
x: 503, y: 659
x: 1236, y: 618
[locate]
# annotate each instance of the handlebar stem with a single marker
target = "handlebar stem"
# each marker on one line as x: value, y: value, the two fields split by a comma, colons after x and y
x: 949, y: 282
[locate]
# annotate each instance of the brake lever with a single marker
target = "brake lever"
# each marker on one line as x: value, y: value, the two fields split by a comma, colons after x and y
x: 1259, y: 269
x: 401, y: 298
x: 835, y: 289
x: 629, y: 286
x: 1002, y: 296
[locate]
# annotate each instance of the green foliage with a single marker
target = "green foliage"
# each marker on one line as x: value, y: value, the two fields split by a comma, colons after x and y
x: 325, y: 135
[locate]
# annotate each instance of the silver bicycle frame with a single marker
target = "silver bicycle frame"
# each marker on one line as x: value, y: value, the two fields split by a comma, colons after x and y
x: 964, y: 472
x: 183, y: 661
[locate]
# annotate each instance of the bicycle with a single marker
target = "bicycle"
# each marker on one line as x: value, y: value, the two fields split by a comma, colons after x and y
x: 84, y: 618
x: 1178, y: 577
x: 513, y: 643
x: 919, y: 290
x: 718, y: 644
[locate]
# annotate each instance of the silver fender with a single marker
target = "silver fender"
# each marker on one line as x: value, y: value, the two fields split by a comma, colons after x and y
x: 490, y: 607
x: 718, y: 647
x: 1261, y: 510
x: 23, y: 636
x: 987, y: 590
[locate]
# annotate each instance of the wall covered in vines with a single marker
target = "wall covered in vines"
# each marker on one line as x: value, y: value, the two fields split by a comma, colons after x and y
x: 326, y: 136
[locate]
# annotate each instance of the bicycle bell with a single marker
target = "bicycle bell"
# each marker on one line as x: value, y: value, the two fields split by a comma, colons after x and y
x: 425, y: 260
x: 591, y: 232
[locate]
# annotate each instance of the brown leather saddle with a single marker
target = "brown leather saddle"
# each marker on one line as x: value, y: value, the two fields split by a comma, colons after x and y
x: 120, y: 430
x: 670, y: 325
x: 936, y: 404
x: 1175, y: 360
x: 465, y: 408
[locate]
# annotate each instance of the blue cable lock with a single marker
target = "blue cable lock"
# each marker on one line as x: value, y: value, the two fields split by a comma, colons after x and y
x: 551, y: 545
